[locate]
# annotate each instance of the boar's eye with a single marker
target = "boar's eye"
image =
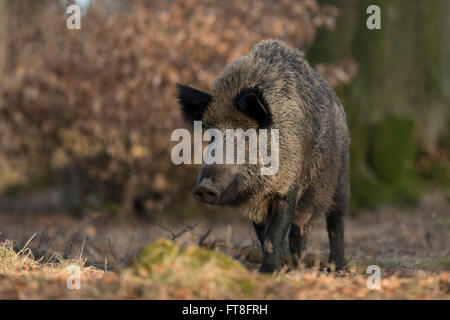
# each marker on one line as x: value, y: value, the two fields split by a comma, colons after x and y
x: 193, y: 103
x: 251, y: 102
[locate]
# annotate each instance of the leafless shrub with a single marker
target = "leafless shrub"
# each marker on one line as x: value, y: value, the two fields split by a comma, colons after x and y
x: 100, y: 101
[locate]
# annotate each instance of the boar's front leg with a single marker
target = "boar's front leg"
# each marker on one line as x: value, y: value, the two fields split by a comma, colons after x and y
x: 260, y: 229
x: 281, y: 214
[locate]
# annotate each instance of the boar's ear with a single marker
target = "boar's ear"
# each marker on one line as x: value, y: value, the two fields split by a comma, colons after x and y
x: 193, y: 103
x: 251, y: 102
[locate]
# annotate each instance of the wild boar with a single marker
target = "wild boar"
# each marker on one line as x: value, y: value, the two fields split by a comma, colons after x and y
x: 273, y: 87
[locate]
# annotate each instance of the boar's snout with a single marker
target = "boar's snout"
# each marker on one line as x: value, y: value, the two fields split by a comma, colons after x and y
x: 206, y: 192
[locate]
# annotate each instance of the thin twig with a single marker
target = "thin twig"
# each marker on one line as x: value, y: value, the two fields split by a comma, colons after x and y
x: 204, y: 236
x: 26, y: 244
x: 112, y: 252
x: 82, y: 248
x: 174, y: 235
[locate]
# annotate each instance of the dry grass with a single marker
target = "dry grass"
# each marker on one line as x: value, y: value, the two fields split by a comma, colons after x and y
x: 22, y: 275
x: 123, y: 259
x: 163, y: 270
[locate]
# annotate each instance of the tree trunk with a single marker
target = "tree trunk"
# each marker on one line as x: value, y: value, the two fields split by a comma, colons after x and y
x: 403, y: 78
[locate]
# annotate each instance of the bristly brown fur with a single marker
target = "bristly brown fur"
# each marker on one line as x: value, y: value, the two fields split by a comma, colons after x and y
x: 314, y: 139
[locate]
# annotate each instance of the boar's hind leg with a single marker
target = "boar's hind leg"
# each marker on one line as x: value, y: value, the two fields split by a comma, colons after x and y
x: 297, y: 244
x: 335, y: 226
x: 278, y: 222
x: 336, y: 215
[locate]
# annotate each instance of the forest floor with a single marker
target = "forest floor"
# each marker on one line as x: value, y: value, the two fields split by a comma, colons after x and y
x: 123, y: 258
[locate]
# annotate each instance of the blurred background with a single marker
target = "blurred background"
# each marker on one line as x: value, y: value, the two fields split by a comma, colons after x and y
x: 86, y: 115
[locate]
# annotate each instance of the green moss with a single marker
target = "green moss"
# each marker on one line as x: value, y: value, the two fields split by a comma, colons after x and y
x: 382, y: 158
x: 367, y: 190
x: 158, y: 252
x: 393, y: 148
x: 164, y: 251
x: 200, y: 256
x: 392, y: 156
x: 169, y: 266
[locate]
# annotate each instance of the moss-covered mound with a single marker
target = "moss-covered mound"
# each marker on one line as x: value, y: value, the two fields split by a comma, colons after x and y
x: 198, y: 270
x: 166, y: 252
